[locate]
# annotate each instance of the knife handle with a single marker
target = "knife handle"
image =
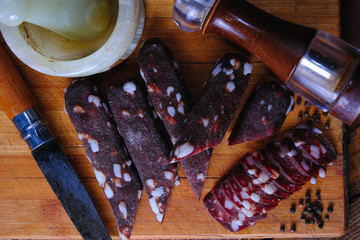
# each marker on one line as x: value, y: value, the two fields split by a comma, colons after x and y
x: 15, y: 96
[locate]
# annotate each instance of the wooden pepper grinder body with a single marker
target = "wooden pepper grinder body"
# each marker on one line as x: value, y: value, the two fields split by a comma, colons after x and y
x: 277, y: 43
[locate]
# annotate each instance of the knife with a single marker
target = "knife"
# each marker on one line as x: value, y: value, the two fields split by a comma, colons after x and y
x: 19, y: 105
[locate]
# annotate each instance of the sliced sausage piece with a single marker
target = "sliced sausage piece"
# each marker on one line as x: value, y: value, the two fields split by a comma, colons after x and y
x: 146, y: 142
x: 220, y: 215
x: 278, y: 174
x: 254, y: 172
x: 240, y: 193
x: 287, y: 145
x: 262, y: 177
x: 263, y: 114
x: 240, y: 175
x: 211, y: 116
x: 245, y: 206
x: 314, y: 145
x: 273, y: 151
x: 172, y: 101
x: 106, y: 151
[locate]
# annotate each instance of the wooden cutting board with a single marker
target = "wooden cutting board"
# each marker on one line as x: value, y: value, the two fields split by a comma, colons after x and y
x: 30, y: 210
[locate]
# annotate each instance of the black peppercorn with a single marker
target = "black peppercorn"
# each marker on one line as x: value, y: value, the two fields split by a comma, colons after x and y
x: 308, y: 195
x: 301, y: 203
x: 307, y: 221
x: 321, y: 225
x: 293, y: 208
x: 327, y: 217
x: 330, y: 209
x: 300, y: 117
x: 327, y: 126
x: 303, y: 218
x: 307, y: 104
x: 319, y: 221
x: 309, y: 122
x: 315, y: 116
x: 325, y: 114
x: 306, y: 114
x: 298, y: 101
x: 319, y: 211
x: 282, y: 228
x: 293, y: 228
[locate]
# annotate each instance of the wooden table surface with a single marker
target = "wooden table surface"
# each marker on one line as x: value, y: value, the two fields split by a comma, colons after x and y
x: 26, y: 198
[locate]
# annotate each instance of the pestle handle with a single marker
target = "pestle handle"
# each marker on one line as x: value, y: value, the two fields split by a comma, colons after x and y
x: 277, y: 43
x: 15, y: 96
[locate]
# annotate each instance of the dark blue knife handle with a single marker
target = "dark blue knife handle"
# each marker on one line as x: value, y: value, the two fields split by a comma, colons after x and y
x: 32, y: 128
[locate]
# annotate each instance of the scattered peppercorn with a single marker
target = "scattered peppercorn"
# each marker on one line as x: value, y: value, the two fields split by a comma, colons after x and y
x: 321, y: 225
x: 327, y: 217
x: 306, y: 114
x: 317, y: 194
x: 327, y: 126
x: 298, y: 101
x: 330, y: 209
x: 307, y: 221
x: 293, y: 228
x: 308, y: 195
x: 325, y: 114
x: 307, y: 104
x: 301, y: 203
x: 309, y: 122
x: 315, y: 115
x: 319, y: 211
x: 292, y: 209
x: 319, y: 221
x: 282, y: 228
x: 300, y: 117
x: 303, y: 218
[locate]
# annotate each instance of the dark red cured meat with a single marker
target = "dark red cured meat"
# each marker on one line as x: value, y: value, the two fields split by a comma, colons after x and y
x: 227, y: 203
x: 240, y: 175
x: 239, y: 198
x: 261, y: 176
x: 264, y: 202
x: 211, y: 116
x: 287, y: 145
x: 146, y: 142
x: 248, y: 178
x: 172, y: 101
x: 256, y: 178
x: 266, y: 165
x: 220, y: 215
x: 106, y: 152
x: 314, y: 145
x: 273, y: 151
x: 234, y: 191
x: 263, y: 114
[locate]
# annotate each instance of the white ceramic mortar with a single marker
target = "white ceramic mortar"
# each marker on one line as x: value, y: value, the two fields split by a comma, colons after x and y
x: 52, y: 54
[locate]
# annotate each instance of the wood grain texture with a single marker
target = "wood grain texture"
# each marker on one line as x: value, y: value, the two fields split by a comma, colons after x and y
x: 30, y: 210
x: 15, y: 96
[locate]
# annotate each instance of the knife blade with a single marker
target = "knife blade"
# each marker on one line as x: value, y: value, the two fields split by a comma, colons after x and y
x: 18, y: 103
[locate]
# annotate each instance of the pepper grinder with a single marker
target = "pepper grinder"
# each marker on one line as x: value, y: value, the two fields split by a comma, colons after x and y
x: 316, y: 65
